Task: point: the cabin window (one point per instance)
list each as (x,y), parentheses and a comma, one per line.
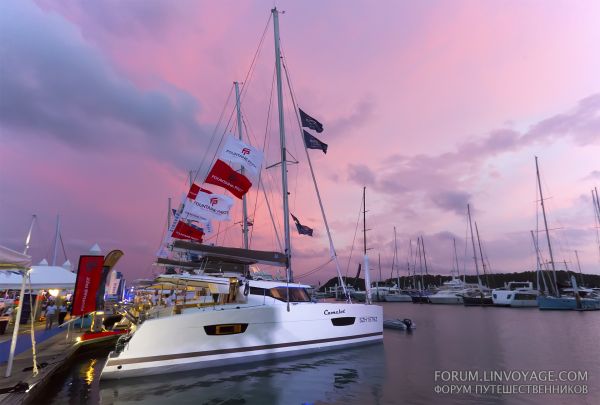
(343,321)
(225,329)
(297,294)
(494,295)
(260,291)
(508,296)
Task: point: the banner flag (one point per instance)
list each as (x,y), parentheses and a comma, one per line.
(194,189)
(187,232)
(310,122)
(207,206)
(313,143)
(302,229)
(248,156)
(223,175)
(88,280)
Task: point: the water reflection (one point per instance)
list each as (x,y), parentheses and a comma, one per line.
(350,375)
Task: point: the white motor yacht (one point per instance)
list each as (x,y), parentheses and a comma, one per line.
(516,294)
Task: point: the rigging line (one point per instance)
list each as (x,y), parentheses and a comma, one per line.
(331,246)
(243,91)
(63,246)
(264,146)
(248,78)
(316,269)
(354,238)
(214,133)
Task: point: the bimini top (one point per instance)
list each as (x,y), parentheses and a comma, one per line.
(13,260)
(234,255)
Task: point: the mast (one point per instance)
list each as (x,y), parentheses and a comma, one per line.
(28,238)
(244,204)
(420,254)
(596,205)
(169,212)
(537,171)
(487,282)
(366,257)
(579,267)
(424,254)
(473,243)
(456,260)
(56,236)
(395,259)
(286,211)
(539,264)
(411,257)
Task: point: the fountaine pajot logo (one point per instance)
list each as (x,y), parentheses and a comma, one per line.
(214,201)
(245,151)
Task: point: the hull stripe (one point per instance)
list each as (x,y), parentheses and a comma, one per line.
(117,362)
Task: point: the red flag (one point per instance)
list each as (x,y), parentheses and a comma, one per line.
(187,232)
(194,189)
(224,176)
(86,286)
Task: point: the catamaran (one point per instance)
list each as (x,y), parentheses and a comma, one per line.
(247,320)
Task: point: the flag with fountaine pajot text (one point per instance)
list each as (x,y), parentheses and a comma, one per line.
(194,189)
(310,122)
(246,155)
(187,232)
(313,143)
(302,229)
(223,175)
(207,206)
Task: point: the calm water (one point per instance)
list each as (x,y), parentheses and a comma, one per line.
(402,370)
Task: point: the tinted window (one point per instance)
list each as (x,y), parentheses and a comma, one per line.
(343,321)
(296,294)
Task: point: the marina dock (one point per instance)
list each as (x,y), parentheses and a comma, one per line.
(53,353)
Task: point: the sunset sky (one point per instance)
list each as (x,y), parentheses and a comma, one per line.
(106,106)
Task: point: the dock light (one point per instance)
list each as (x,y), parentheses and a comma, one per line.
(54,292)
(78,339)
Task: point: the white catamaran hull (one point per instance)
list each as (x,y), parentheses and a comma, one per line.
(183,342)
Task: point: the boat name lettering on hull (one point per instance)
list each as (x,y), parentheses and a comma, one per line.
(336,312)
(364,319)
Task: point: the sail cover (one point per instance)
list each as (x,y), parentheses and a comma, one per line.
(235,254)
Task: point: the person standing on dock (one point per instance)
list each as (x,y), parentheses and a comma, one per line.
(62,313)
(50,312)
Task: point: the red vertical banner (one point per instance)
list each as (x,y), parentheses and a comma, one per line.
(86,286)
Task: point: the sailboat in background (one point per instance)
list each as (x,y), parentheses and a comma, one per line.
(481,296)
(395,294)
(574,299)
(249,320)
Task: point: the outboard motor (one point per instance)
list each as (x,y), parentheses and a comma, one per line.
(408,323)
(247,288)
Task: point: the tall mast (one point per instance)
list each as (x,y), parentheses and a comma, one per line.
(456,259)
(420,253)
(596,204)
(286,211)
(424,255)
(539,264)
(537,171)
(473,243)
(239,125)
(28,238)
(579,267)
(487,282)
(396,259)
(56,236)
(366,257)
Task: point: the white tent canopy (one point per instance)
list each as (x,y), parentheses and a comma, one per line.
(42,277)
(10,259)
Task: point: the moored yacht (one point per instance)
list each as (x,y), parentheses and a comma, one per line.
(516,294)
(259,322)
(247,319)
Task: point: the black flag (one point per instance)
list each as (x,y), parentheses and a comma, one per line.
(310,122)
(313,143)
(302,229)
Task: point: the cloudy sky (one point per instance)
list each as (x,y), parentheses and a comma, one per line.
(106,106)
